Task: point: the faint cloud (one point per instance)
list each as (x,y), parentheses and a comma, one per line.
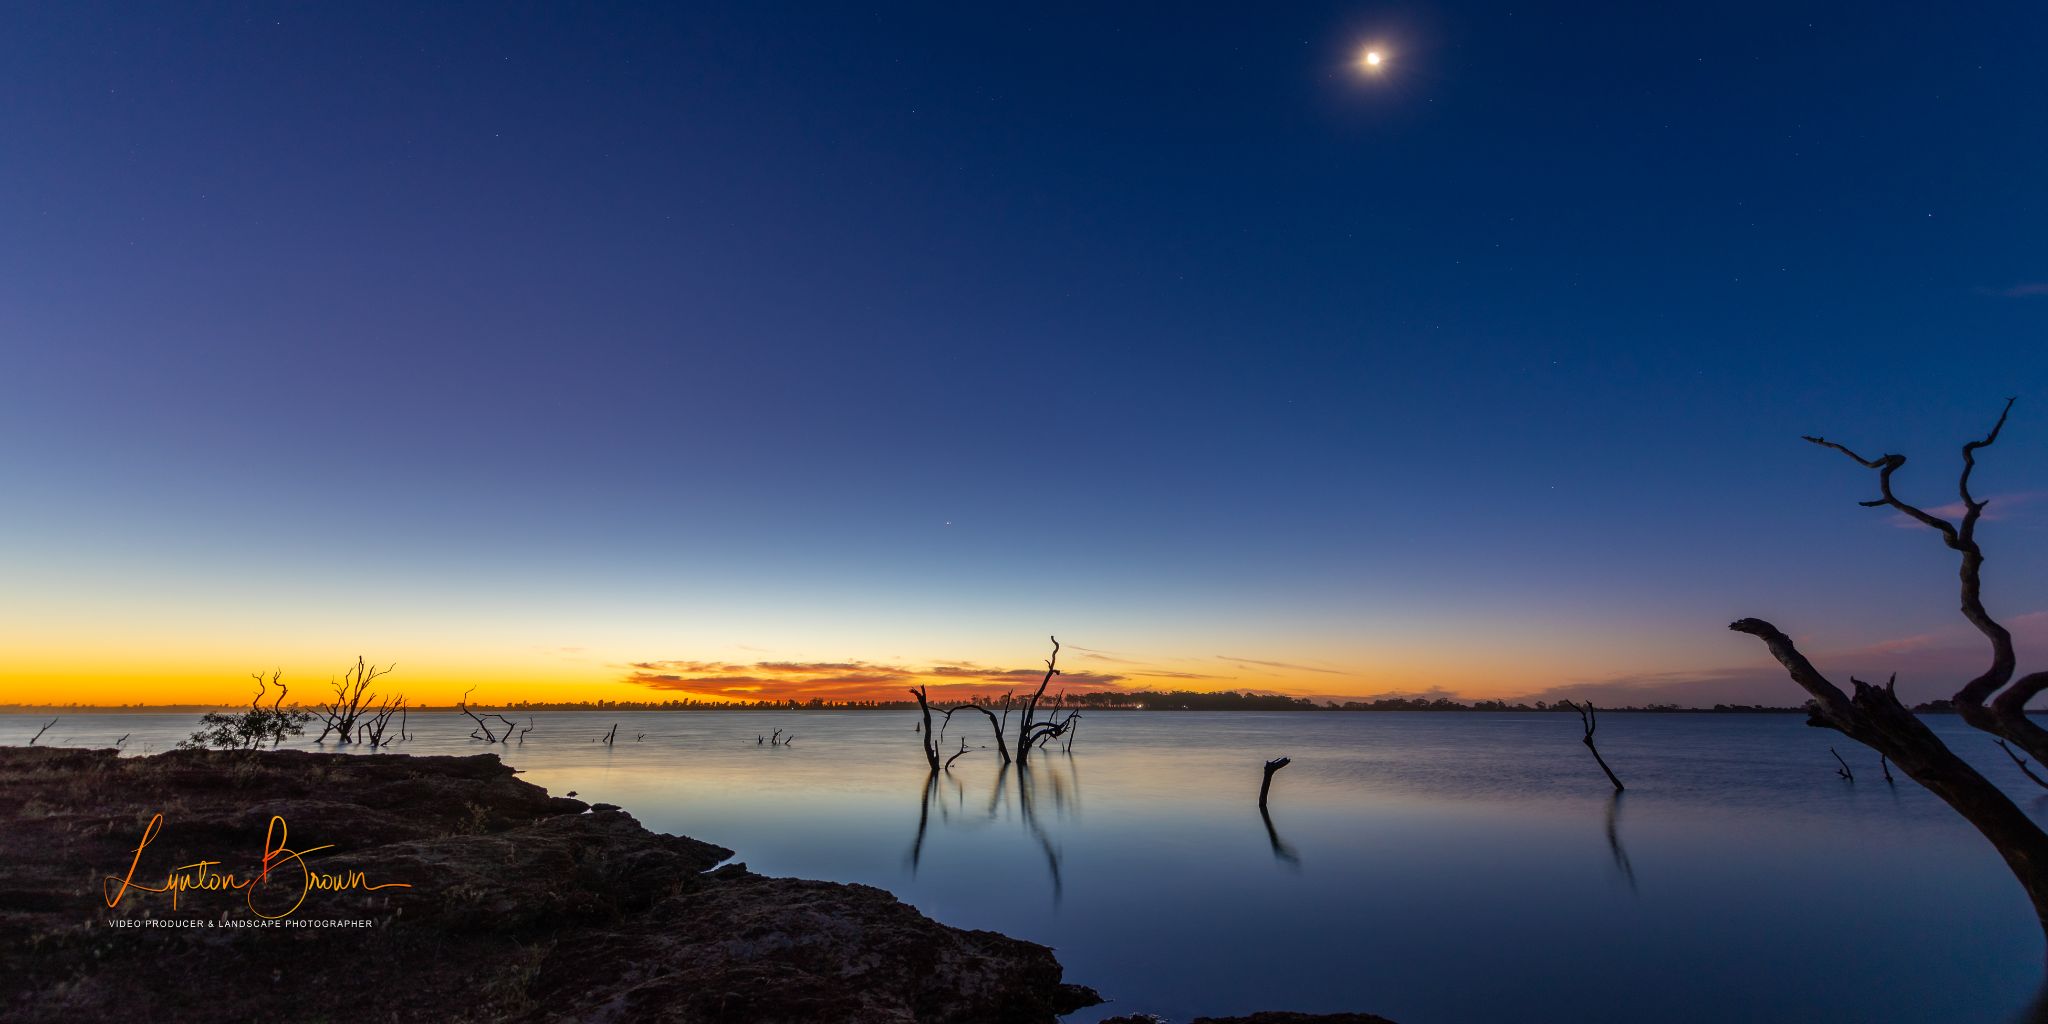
(840,680)
(1996,507)
(1290,666)
(2022,291)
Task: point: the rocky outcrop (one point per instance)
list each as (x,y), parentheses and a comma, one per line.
(518,907)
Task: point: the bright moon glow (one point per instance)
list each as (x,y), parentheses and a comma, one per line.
(1372,58)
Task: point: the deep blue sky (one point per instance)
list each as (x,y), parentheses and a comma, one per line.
(481,332)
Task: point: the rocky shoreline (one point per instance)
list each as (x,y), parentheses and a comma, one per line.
(452,891)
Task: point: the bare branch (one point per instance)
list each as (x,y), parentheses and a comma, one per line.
(2022,763)
(1266,782)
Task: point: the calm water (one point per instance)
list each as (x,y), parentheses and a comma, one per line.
(1435,868)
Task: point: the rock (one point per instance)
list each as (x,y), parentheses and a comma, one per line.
(519,908)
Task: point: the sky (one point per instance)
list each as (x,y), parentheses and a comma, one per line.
(764,349)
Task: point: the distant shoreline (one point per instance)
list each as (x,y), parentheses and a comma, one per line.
(147,709)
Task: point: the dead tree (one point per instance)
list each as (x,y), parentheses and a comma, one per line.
(483,730)
(1873,715)
(528,729)
(1266,783)
(276,679)
(351,692)
(931,742)
(995,726)
(1885,766)
(380,719)
(1843,771)
(1589,717)
(39,732)
(612,736)
(1030,731)
(956,755)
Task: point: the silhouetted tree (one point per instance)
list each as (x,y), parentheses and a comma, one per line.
(1874,717)
(1589,718)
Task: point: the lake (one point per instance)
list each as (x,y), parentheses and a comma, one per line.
(1431,867)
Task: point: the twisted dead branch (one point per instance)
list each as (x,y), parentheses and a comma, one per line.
(1873,715)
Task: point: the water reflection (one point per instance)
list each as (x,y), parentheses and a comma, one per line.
(1281,851)
(1621,861)
(1051,786)
(1464,840)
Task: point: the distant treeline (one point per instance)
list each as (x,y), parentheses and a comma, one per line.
(1106,700)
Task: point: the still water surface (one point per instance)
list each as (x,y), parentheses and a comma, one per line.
(1434,868)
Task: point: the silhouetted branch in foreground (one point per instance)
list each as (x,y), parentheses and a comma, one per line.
(1266,781)
(1873,716)
(1589,717)
(2022,763)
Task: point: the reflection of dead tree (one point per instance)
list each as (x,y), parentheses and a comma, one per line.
(2022,763)
(1589,717)
(1027,807)
(1281,851)
(924,816)
(1842,771)
(39,732)
(1621,861)
(1266,782)
(1874,716)
(351,692)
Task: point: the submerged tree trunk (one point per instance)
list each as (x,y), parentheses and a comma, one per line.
(1589,717)
(995,726)
(931,742)
(1266,782)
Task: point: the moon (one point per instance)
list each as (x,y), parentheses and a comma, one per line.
(1372,60)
